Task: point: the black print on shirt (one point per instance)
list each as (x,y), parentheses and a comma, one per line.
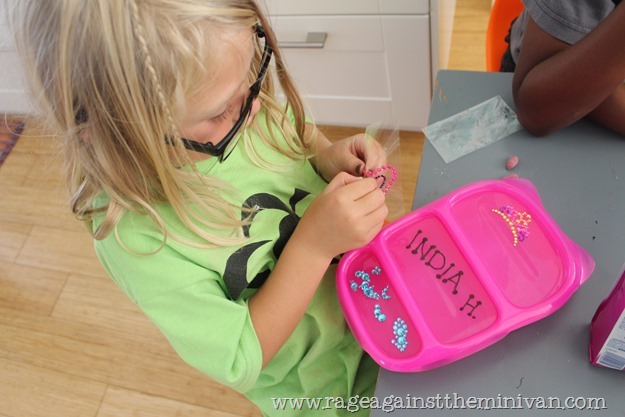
(235,274)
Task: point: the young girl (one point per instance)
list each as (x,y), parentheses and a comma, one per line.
(209,202)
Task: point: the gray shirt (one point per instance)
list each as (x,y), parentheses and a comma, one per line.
(568,21)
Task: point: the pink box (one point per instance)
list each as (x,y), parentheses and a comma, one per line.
(607,329)
(457,275)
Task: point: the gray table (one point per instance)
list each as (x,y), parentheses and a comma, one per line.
(580,174)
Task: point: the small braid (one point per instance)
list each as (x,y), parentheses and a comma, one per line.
(149,65)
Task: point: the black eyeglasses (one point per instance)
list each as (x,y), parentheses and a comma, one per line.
(220,148)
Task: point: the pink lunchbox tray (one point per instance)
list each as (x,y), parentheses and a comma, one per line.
(457,275)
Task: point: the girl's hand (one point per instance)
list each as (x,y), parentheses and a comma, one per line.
(354,155)
(346,215)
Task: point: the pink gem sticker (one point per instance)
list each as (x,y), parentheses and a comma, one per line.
(384,175)
(517,221)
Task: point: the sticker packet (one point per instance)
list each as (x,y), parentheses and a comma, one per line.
(472,129)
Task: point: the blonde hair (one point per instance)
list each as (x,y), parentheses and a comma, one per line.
(112,75)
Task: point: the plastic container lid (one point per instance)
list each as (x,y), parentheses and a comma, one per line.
(457,275)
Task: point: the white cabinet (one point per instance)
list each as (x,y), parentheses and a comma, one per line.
(377,62)
(13,97)
(350,7)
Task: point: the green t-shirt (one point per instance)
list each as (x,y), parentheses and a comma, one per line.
(198,297)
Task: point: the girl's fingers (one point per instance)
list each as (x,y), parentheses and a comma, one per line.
(340,180)
(368,150)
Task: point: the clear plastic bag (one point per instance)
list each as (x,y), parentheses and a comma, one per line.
(386,133)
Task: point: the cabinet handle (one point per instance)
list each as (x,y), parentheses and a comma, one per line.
(313,40)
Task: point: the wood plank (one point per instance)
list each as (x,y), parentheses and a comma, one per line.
(16,167)
(411,150)
(468,41)
(60,250)
(46,174)
(121,359)
(31,391)
(99,302)
(12,239)
(40,206)
(124,403)
(37,140)
(30,289)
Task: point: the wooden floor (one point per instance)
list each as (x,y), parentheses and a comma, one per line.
(71,344)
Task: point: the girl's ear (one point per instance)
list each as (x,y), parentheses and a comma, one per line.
(84,135)
(254,110)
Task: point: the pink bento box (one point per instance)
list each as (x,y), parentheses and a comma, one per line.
(457,275)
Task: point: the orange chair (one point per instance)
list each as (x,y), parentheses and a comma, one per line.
(502,14)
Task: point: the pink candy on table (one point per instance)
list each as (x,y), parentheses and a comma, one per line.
(512,162)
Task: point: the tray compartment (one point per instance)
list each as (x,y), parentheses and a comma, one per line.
(441,282)
(377,315)
(514,243)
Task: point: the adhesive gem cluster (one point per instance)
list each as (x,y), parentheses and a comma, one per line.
(517,221)
(400,327)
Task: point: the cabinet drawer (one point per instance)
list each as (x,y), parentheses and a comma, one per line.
(371,68)
(352,61)
(349,7)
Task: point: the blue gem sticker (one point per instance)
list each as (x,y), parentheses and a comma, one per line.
(400,330)
(385,293)
(365,285)
(377,312)
(368,291)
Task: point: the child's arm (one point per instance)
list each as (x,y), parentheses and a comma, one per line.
(556,84)
(347,215)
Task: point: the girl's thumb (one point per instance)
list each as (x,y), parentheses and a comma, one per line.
(340,180)
(354,165)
